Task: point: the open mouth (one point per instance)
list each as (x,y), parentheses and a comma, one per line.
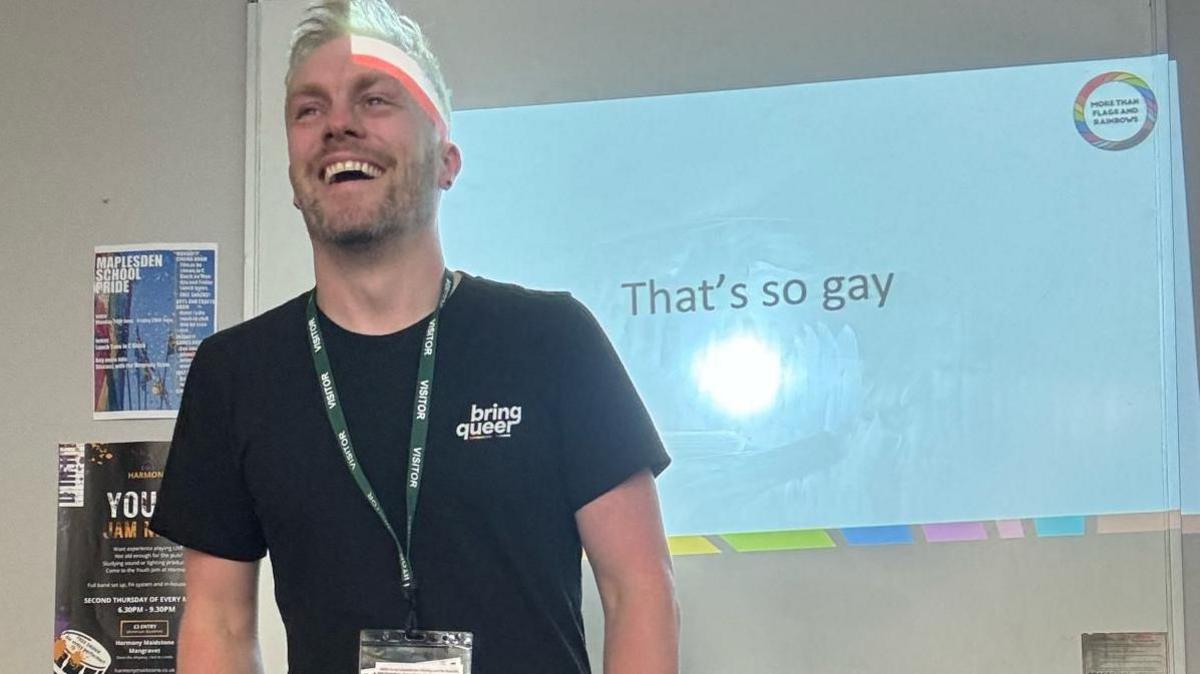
(346,171)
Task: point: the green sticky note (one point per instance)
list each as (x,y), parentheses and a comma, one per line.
(807,539)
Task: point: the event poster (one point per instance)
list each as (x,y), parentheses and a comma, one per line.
(1125,653)
(119,588)
(153,306)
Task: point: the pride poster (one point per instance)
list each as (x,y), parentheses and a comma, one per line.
(153,305)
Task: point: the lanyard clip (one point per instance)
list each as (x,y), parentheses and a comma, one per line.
(410,623)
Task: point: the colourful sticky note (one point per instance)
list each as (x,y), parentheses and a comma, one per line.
(1010,528)
(807,539)
(888,535)
(947,532)
(1049,527)
(691,545)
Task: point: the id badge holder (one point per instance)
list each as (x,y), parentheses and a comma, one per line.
(414,652)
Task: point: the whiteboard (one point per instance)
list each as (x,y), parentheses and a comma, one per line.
(526,52)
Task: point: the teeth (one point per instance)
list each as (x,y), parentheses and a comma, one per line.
(334,169)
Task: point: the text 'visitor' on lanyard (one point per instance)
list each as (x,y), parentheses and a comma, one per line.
(416,445)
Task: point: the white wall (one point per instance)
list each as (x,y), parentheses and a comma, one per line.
(120,121)
(1183,39)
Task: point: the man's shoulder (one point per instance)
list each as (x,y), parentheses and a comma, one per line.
(512,292)
(551,323)
(509,301)
(263,332)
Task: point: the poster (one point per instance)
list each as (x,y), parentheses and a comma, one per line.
(153,306)
(1125,653)
(119,588)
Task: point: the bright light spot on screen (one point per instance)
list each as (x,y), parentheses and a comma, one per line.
(740,374)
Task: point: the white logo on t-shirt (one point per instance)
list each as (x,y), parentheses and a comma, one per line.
(496,421)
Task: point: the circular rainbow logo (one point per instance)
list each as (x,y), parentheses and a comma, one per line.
(1147,111)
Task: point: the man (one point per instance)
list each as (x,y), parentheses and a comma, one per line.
(537,444)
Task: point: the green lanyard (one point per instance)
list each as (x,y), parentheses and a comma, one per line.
(416,446)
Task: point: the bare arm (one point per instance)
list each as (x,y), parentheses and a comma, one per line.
(622,533)
(218,633)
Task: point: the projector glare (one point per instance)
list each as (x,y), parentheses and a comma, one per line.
(740,374)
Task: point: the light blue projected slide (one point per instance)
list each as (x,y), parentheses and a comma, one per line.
(921,299)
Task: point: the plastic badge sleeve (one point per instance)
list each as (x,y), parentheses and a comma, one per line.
(414,652)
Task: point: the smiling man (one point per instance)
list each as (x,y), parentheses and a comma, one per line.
(415,448)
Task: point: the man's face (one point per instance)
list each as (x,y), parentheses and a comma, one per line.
(365,163)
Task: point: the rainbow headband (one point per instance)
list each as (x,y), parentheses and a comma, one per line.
(386,57)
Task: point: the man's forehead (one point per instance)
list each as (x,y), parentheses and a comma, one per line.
(369,60)
(331,62)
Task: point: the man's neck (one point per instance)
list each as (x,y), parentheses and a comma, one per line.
(381,289)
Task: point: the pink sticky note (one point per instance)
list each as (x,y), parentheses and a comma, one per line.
(1010,528)
(954,531)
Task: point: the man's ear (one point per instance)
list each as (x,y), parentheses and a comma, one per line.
(451,165)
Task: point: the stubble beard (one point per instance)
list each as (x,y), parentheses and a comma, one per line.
(406,209)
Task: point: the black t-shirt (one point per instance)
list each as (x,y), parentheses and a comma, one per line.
(254,467)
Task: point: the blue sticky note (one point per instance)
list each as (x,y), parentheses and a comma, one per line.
(1048,527)
(888,535)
